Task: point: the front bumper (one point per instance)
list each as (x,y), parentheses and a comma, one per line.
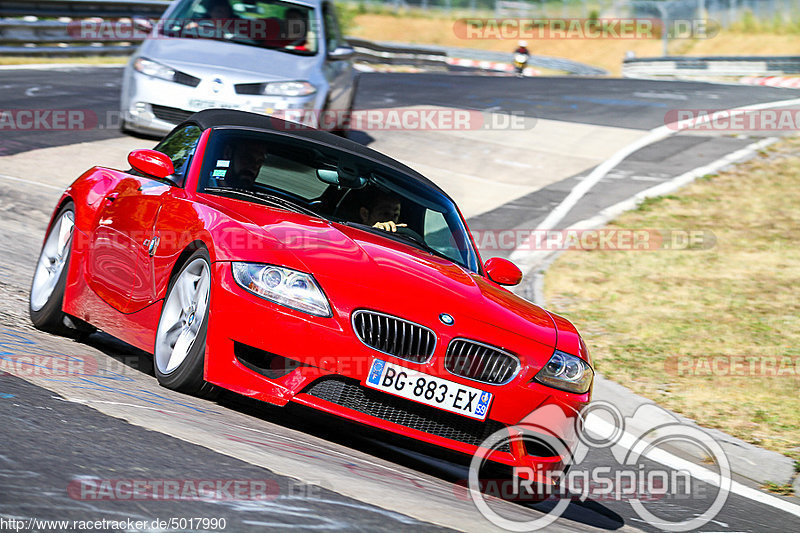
(275,354)
(155,106)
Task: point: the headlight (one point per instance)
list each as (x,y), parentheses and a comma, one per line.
(283,286)
(566,372)
(288,88)
(156,70)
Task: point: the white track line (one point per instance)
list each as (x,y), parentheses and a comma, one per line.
(31,182)
(612,212)
(543,258)
(601,427)
(521,255)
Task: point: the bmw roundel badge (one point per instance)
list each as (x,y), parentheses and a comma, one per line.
(446,319)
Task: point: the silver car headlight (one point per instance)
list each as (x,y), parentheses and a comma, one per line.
(288,88)
(566,372)
(283,286)
(149,67)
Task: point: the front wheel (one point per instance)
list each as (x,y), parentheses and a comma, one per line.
(50,278)
(180,345)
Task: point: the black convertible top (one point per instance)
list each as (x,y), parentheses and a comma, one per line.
(217,118)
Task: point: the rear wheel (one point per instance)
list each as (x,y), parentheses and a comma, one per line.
(50,278)
(181,336)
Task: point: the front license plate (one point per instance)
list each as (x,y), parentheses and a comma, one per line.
(199,105)
(430,390)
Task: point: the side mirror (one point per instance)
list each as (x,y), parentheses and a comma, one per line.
(151,163)
(143,25)
(341,53)
(502,271)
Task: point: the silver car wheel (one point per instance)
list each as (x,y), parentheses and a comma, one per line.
(183,313)
(55,253)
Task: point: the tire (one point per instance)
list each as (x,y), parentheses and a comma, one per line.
(46,299)
(180,347)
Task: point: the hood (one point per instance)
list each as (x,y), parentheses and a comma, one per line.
(206,58)
(360,269)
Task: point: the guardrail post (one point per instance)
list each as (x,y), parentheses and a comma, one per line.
(664,30)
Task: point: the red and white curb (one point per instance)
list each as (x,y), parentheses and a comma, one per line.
(772,81)
(489,65)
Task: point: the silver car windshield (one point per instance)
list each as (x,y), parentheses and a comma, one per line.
(271,24)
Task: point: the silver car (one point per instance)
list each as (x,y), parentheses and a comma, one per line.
(284,58)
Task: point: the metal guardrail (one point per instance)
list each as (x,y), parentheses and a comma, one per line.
(83,8)
(716,66)
(396,54)
(553,63)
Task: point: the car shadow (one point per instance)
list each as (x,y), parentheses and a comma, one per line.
(403,451)
(120,351)
(361,137)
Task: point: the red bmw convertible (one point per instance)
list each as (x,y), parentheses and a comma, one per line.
(290,265)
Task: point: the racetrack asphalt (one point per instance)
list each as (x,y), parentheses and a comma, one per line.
(53,440)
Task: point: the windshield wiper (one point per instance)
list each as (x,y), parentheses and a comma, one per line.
(264,198)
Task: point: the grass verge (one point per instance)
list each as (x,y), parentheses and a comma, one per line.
(641,311)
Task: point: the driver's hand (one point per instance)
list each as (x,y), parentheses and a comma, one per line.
(389,226)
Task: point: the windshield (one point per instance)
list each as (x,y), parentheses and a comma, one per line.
(272,24)
(337,185)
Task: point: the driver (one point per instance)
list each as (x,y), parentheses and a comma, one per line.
(246,157)
(295,22)
(219,9)
(215,12)
(381,210)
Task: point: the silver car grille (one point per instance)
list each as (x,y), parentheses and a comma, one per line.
(394,336)
(480,362)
